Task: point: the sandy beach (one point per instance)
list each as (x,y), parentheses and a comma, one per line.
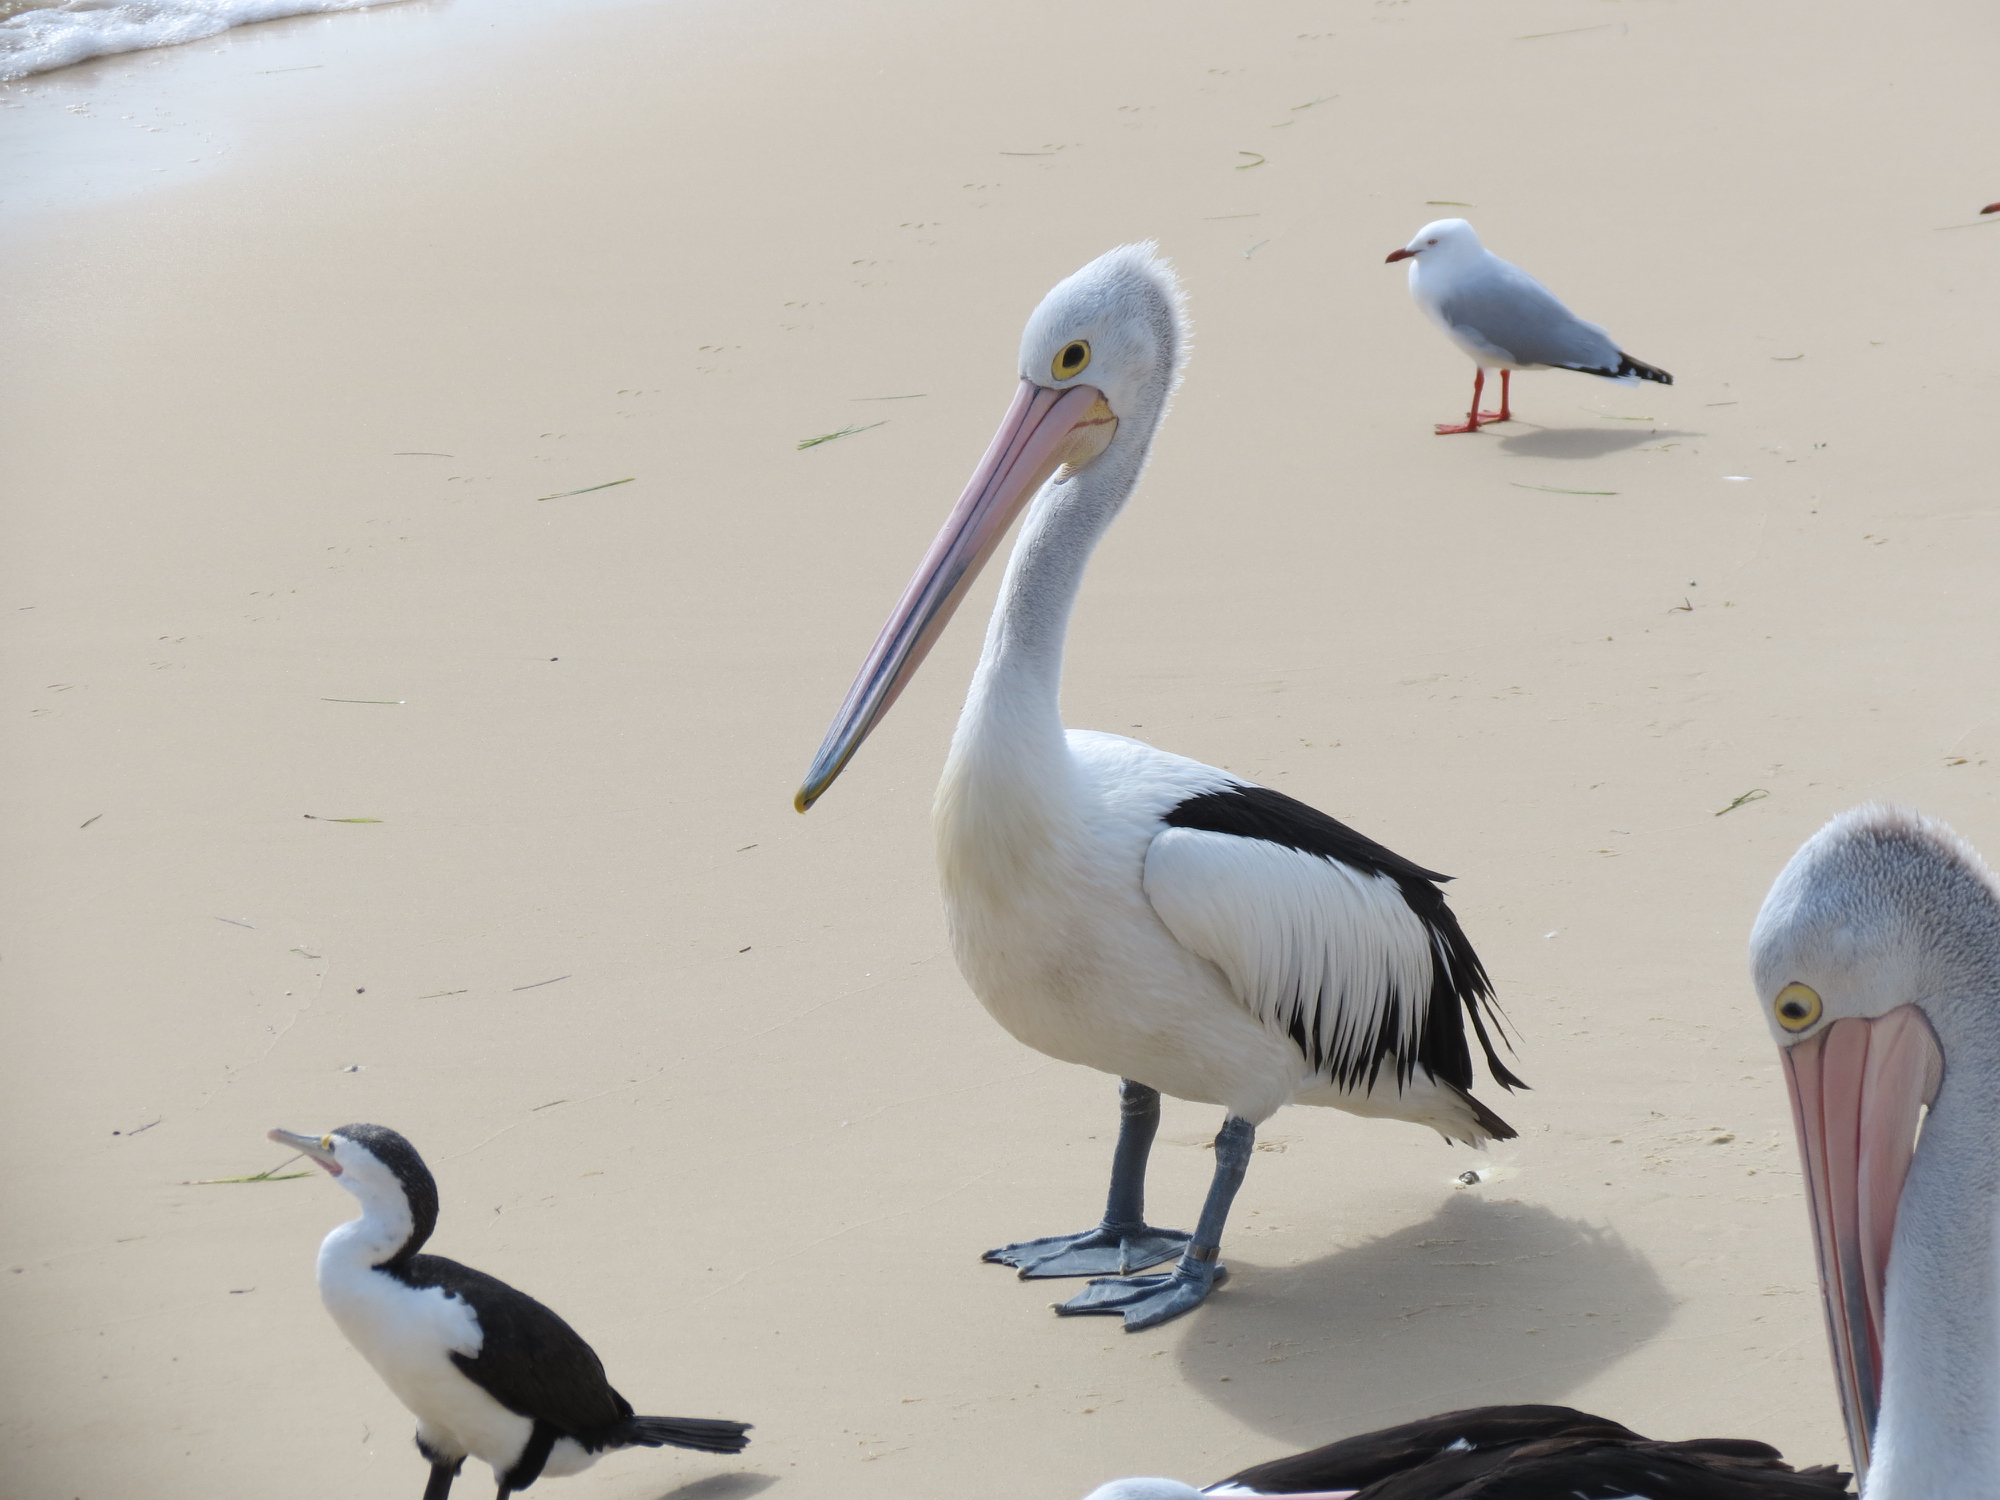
(287,427)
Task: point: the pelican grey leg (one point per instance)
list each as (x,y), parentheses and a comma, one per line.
(1147,1300)
(1124,1242)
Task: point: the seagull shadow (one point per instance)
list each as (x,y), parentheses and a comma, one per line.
(1584,442)
(1482,1303)
(722,1487)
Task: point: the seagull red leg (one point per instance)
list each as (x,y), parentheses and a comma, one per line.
(1487,418)
(1471,422)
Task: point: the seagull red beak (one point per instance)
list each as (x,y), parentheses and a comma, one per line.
(1042,430)
(1858,1089)
(1395,255)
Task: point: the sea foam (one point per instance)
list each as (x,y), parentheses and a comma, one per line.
(54,36)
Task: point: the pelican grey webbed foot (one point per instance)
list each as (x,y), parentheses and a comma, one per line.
(1124,1242)
(1108,1250)
(1149,1300)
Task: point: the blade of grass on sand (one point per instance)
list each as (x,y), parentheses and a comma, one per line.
(1755,794)
(589,489)
(1609,417)
(1536,36)
(269,1174)
(1554,491)
(315,817)
(389,702)
(848,431)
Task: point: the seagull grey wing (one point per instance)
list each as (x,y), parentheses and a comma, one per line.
(530,1360)
(1517,316)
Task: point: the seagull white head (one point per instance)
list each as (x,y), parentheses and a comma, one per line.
(1438,242)
(1877,964)
(1099,358)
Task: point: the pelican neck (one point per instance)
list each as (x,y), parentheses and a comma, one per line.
(1939,1425)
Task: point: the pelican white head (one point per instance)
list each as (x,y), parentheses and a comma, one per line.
(1876,959)
(1099,359)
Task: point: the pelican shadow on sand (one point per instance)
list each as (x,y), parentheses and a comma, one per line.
(1481,1302)
(1586,442)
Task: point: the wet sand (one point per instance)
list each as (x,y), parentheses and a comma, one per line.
(700,1072)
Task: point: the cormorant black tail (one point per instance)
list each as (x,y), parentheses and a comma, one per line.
(700,1433)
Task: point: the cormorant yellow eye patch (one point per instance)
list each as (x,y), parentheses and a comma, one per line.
(1796,1007)
(1071,360)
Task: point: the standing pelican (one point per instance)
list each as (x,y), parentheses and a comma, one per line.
(1877,964)
(1131,910)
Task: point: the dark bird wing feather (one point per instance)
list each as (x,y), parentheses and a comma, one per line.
(530,1360)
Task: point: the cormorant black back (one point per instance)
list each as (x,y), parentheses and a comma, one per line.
(488,1371)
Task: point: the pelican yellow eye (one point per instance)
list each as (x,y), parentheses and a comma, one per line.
(1071,361)
(326,1143)
(1797,1007)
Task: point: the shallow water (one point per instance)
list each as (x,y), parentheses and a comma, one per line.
(38,38)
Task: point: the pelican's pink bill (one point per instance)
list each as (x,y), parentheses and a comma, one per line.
(1042,430)
(1858,1090)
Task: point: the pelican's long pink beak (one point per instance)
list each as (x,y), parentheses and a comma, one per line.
(1858,1091)
(1043,430)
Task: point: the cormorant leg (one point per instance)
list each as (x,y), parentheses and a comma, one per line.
(1471,422)
(1124,1242)
(443,1472)
(1147,1300)
(528,1467)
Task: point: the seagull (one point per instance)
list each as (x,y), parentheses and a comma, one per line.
(489,1372)
(1504,319)
(1876,960)
(1513,1453)
(1113,905)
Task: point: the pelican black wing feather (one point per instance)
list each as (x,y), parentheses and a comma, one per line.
(1355,1463)
(1597,1469)
(1535,1453)
(1460,990)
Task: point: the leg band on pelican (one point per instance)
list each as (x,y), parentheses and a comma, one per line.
(1124,1242)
